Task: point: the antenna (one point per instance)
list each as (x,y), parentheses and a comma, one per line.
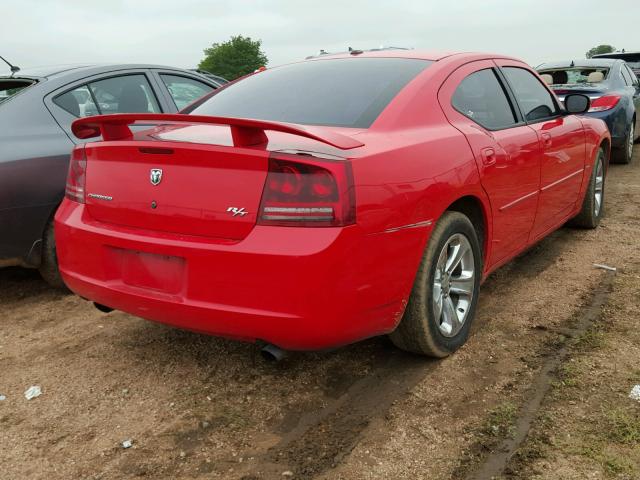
(13,68)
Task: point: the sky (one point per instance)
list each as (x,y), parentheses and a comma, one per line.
(44,32)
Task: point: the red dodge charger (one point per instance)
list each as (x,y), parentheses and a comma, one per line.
(327,201)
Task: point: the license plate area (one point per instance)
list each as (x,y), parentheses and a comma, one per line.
(161,273)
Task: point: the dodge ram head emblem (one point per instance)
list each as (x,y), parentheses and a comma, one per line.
(155,176)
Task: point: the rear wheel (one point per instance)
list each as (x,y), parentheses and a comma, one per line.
(443,301)
(593,203)
(624,154)
(49,265)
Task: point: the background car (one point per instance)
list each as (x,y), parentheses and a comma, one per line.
(632,59)
(307,213)
(217,78)
(36,110)
(614,91)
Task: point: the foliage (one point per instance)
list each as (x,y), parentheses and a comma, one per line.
(234,58)
(600,49)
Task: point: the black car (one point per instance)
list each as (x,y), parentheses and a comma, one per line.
(632,59)
(37,108)
(614,91)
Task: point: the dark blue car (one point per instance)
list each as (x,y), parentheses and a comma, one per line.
(36,110)
(614,91)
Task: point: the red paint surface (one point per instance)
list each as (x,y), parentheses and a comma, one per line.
(191,263)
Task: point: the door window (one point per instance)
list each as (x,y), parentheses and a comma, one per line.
(634,77)
(481,97)
(534,99)
(184,90)
(123,94)
(625,75)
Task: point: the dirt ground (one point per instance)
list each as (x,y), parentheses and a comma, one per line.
(540,390)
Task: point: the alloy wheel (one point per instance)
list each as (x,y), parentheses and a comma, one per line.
(599,188)
(453,285)
(630,141)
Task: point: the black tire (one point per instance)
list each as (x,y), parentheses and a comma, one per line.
(624,154)
(419,330)
(49,264)
(590,214)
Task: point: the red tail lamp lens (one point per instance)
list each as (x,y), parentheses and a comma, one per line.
(308,193)
(604,103)
(77,175)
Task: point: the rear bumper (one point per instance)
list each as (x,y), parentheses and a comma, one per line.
(298,288)
(617,122)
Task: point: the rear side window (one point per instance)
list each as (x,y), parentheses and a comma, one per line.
(346,92)
(625,75)
(534,99)
(184,90)
(124,94)
(481,97)
(634,77)
(78,102)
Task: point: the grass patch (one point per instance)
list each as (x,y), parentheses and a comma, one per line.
(568,374)
(592,339)
(500,422)
(622,427)
(614,466)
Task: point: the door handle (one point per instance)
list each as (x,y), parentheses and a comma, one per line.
(488,157)
(546,139)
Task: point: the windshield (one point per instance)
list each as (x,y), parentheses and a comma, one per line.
(11,86)
(348,92)
(576,75)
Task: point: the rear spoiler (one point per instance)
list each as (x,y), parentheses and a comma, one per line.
(244,132)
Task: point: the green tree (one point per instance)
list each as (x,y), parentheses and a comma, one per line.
(234,58)
(600,49)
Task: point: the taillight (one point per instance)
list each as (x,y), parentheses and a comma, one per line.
(601,104)
(308,194)
(77,175)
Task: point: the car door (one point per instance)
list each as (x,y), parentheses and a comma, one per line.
(561,138)
(507,151)
(111,92)
(635,83)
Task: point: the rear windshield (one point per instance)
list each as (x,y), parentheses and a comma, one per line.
(576,75)
(10,87)
(349,92)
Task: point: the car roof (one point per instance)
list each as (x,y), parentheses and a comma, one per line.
(80,70)
(582,62)
(617,55)
(433,55)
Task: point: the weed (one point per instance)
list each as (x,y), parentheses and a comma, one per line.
(500,422)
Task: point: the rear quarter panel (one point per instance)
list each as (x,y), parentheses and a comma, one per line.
(401,193)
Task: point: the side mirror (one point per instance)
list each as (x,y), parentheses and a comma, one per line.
(576,103)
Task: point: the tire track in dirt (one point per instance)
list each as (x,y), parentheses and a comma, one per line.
(494,464)
(321,439)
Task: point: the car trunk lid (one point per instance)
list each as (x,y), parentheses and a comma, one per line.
(157,180)
(211,191)
(593,91)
